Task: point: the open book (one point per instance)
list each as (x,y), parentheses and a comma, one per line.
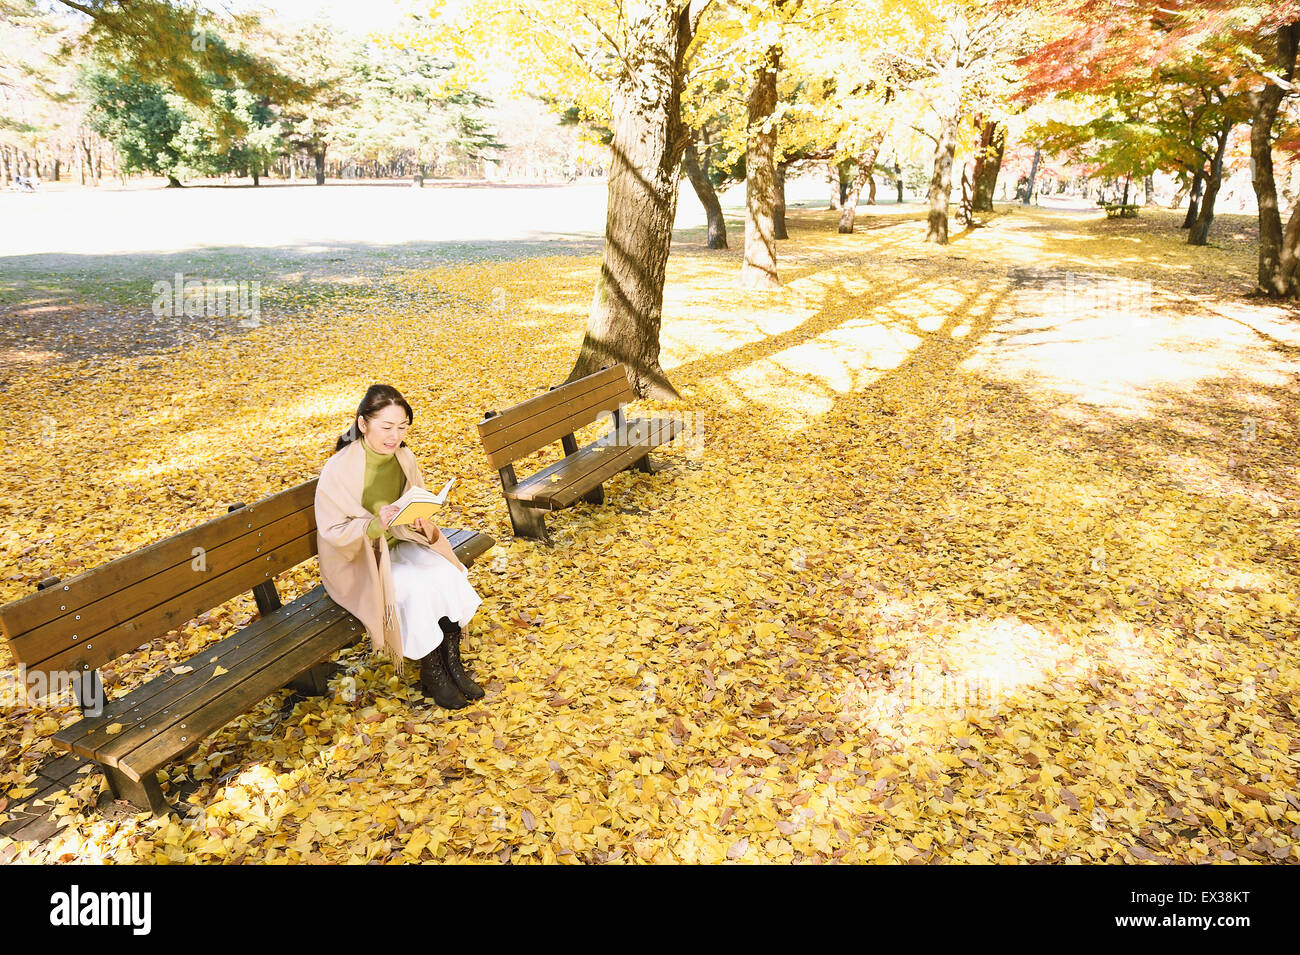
(419,502)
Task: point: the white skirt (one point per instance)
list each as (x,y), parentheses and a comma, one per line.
(428,587)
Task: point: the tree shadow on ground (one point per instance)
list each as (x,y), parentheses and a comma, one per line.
(984,588)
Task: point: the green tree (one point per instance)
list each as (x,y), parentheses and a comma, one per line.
(174,44)
(140,119)
(411,102)
(159,132)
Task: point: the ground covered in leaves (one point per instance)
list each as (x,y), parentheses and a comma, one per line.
(977,553)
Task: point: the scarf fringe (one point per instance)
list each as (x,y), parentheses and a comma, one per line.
(392,630)
(395,657)
(393,638)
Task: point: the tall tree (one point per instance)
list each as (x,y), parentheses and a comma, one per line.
(759,268)
(141,120)
(625,64)
(1279,248)
(1253,45)
(645,156)
(966,64)
(326,64)
(696,170)
(988,162)
(865,167)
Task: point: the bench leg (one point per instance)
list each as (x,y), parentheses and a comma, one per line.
(145,794)
(315,681)
(596,495)
(644,465)
(527,521)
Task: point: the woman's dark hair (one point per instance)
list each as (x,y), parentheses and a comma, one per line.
(378,397)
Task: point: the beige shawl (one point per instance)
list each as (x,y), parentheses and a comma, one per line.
(355,569)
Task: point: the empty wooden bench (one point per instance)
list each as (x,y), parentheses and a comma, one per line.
(533,424)
(76,626)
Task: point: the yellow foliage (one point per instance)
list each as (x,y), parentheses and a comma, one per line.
(952,577)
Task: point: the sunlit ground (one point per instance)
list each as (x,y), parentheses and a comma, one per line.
(985,552)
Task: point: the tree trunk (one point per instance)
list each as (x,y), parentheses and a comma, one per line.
(1194,203)
(1127,179)
(988,163)
(759,269)
(707,195)
(1290,266)
(778,211)
(941,180)
(318,157)
(1200,232)
(849,213)
(1149,188)
(866,163)
(967,196)
(898,180)
(1276,277)
(833,180)
(644,166)
(1033,174)
(871,188)
(948,109)
(173,182)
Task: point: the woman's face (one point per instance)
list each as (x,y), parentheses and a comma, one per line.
(386,430)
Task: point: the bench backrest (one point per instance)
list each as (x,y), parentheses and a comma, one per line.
(533,424)
(84,622)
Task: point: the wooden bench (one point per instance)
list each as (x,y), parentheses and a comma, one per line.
(76,626)
(1116,210)
(533,424)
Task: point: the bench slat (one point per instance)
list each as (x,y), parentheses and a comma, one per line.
(136,631)
(537,431)
(230,569)
(594,464)
(581,470)
(29,612)
(231,701)
(168,688)
(540,404)
(469,545)
(204,692)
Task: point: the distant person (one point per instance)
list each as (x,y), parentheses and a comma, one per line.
(404,583)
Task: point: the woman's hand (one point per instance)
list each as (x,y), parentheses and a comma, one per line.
(428,529)
(386,515)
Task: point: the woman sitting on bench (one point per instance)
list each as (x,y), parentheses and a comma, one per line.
(404,582)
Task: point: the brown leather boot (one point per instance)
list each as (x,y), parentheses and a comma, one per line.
(450,648)
(437,683)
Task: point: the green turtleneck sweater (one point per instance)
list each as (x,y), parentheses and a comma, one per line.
(383,485)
